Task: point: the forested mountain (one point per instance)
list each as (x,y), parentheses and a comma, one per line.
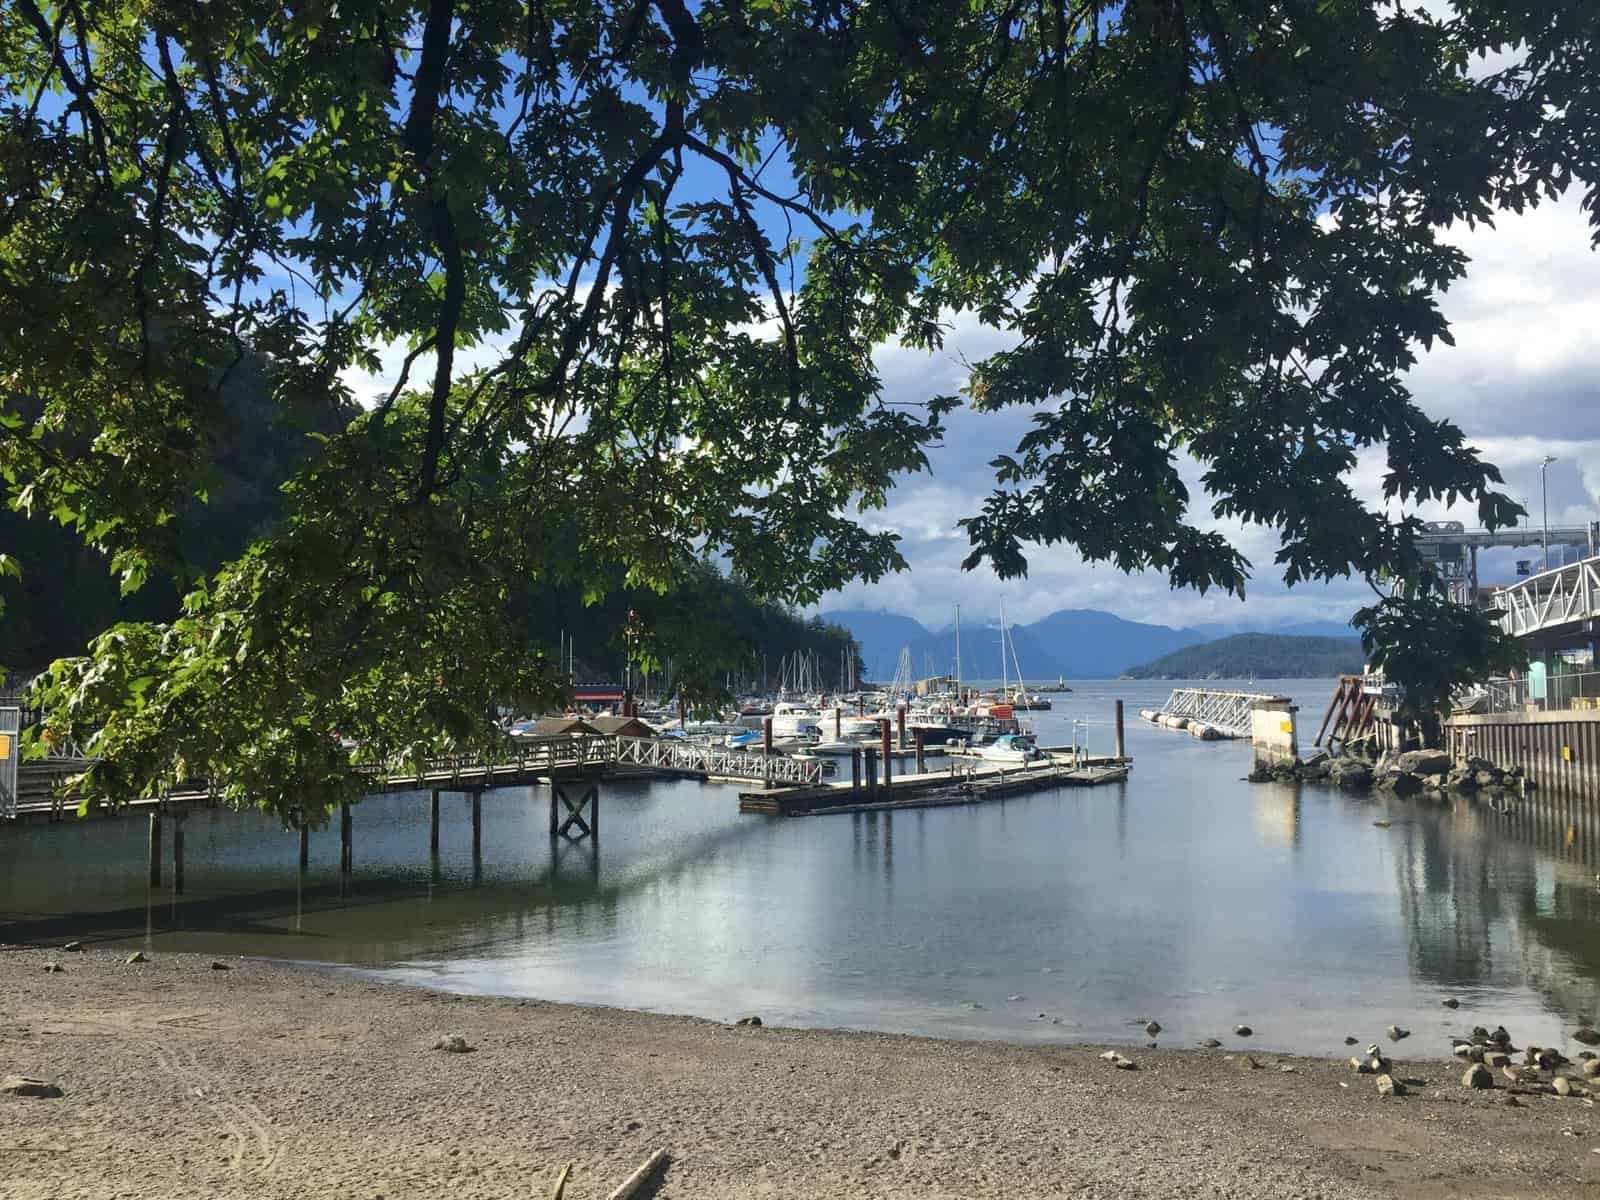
(1259,656)
(66,595)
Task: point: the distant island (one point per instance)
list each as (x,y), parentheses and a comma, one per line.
(1257,655)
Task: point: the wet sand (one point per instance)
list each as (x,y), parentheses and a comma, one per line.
(274,1080)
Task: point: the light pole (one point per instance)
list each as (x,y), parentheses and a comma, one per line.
(1544,490)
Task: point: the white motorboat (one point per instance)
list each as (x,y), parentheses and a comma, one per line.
(1012,749)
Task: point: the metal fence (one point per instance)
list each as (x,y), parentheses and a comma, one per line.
(10,752)
(1555,692)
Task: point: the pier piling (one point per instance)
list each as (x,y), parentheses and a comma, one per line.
(1120,749)
(177,856)
(433,840)
(346,830)
(305,846)
(900,721)
(921,741)
(855,768)
(888,758)
(155,849)
(477,821)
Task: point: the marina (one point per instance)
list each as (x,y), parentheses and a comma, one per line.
(1180,890)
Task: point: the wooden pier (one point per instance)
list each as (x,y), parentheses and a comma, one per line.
(954,785)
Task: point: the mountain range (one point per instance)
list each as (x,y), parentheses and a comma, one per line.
(1074,643)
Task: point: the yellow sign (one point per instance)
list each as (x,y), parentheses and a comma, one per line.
(1285,726)
(1566,754)
(5,746)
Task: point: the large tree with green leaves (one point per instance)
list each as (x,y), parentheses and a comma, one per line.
(636,255)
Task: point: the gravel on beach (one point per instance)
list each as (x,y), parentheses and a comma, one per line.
(276,1080)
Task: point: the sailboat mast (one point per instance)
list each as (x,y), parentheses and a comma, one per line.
(958,654)
(1005,684)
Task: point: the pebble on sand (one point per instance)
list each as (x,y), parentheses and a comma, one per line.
(136,957)
(218,965)
(1210,1043)
(452,1043)
(53,968)
(1388,1085)
(73,947)
(755,1022)
(1587,1036)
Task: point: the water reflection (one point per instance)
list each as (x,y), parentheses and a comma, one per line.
(1182,892)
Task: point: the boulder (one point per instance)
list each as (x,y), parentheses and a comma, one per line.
(1243,1030)
(1591,1067)
(1486,779)
(453,1043)
(1462,781)
(22,1085)
(1562,1085)
(52,968)
(1401,783)
(73,947)
(1388,1085)
(755,1022)
(1423,762)
(1477,1076)
(136,957)
(1352,776)
(1211,1043)
(1359,1066)
(1587,1036)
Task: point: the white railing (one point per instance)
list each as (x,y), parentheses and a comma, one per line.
(1225,711)
(673,755)
(1551,599)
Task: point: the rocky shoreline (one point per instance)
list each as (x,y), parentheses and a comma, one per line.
(182,1075)
(1431,773)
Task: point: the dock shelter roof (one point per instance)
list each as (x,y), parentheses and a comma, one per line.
(559,727)
(622,727)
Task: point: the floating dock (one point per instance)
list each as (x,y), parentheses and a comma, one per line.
(958,785)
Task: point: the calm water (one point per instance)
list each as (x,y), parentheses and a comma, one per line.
(1183,894)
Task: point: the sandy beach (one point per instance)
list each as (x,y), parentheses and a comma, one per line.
(274,1080)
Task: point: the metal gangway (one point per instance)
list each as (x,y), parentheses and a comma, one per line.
(1560,600)
(1227,712)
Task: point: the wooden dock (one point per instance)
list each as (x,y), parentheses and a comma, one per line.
(956,785)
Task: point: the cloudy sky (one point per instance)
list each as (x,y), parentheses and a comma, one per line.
(1523,381)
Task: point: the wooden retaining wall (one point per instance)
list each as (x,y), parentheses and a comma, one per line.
(1559,751)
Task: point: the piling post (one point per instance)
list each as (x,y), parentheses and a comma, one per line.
(838,722)
(477,820)
(855,768)
(594,812)
(921,740)
(554,790)
(900,720)
(433,837)
(888,760)
(1120,747)
(155,848)
(305,846)
(346,832)
(861,707)
(177,855)
(766,735)
(869,759)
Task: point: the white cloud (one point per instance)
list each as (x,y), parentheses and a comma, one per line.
(1523,381)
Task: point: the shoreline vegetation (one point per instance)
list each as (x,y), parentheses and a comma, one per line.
(260,1078)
